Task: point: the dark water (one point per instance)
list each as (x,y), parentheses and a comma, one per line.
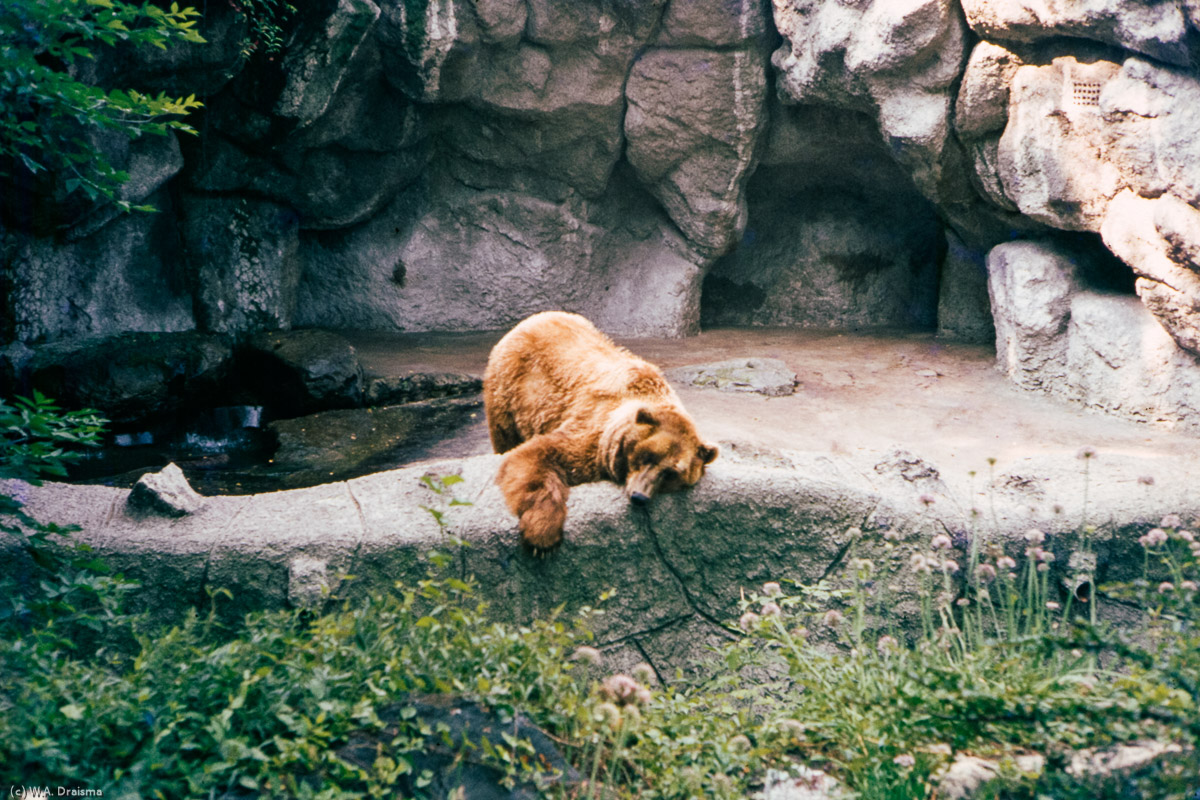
(233,450)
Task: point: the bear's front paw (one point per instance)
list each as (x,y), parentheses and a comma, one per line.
(542,527)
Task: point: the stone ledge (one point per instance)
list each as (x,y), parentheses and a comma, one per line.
(678,568)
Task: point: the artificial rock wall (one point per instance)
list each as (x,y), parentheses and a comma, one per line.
(458,164)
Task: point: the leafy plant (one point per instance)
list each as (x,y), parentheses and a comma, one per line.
(37,438)
(266,19)
(67,596)
(50,109)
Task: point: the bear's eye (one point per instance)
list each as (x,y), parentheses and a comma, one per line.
(669,473)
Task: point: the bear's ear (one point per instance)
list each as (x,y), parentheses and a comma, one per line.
(646,417)
(708,452)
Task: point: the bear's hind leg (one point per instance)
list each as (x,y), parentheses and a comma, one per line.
(535,488)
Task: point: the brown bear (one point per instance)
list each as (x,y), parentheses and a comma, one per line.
(571,407)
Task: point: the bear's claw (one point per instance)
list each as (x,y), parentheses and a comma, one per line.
(540,542)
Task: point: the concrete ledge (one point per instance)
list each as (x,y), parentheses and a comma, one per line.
(678,568)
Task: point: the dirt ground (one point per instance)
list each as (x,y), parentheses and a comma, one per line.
(855,393)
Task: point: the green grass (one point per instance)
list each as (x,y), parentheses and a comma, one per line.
(201,710)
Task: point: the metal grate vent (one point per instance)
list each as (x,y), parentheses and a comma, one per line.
(1085,94)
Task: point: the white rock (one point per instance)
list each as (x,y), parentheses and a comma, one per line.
(165,493)
(1154,27)
(1121,361)
(1160,239)
(1031,284)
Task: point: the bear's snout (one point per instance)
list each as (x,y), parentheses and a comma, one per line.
(643,485)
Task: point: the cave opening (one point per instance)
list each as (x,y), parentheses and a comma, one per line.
(838,237)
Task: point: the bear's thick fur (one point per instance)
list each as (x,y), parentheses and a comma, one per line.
(571,407)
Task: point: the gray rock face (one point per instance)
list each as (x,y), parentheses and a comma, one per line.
(183,68)
(166,493)
(316,68)
(693,120)
(126,276)
(242,257)
(838,235)
(459,166)
(486,260)
(897,60)
(964,311)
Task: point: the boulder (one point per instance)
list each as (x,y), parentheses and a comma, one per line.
(166,493)
(299,372)
(1128,123)
(800,782)
(1031,284)
(1156,28)
(981,114)
(149,161)
(134,376)
(766,376)
(1059,174)
(41,205)
(1160,239)
(1057,333)
(1120,361)
(308,582)
(983,95)
(1102,770)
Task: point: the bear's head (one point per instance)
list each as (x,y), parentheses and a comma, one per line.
(663,453)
